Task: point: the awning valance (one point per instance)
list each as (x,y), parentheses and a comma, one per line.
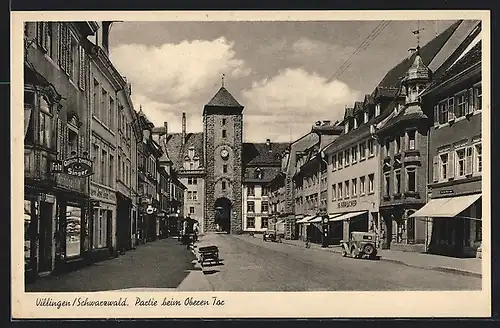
(446,207)
(306,219)
(347,216)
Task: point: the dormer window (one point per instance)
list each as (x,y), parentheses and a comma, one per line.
(346,127)
(377,110)
(355,123)
(191,152)
(365,117)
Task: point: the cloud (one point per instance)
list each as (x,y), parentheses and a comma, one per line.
(286,105)
(172,78)
(312,50)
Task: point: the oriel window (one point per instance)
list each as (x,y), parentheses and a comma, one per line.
(45,131)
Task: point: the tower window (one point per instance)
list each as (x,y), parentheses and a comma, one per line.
(223,185)
(224,168)
(224,134)
(223,121)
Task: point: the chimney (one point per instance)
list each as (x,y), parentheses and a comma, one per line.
(268,143)
(183,128)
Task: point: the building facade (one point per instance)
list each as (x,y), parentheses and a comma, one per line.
(353,162)
(262,163)
(57,133)
(453,213)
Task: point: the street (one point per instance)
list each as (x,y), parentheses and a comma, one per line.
(250,264)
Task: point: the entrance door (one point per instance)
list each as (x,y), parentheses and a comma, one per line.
(223,215)
(45,238)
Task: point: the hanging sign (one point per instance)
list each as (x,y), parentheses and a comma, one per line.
(56,167)
(78,167)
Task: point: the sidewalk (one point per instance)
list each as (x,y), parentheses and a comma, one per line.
(162,264)
(464,266)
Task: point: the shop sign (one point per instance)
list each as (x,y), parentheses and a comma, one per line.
(161,215)
(78,167)
(347,203)
(446,192)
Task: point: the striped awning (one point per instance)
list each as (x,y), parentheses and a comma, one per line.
(306,219)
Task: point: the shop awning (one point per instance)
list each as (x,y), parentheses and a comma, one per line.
(334,217)
(316,219)
(347,216)
(306,219)
(446,207)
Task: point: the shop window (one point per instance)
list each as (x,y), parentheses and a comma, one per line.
(101,218)
(397,182)
(410,229)
(411,179)
(45,126)
(264,223)
(251,190)
(251,222)
(73,231)
(371,181)
(27,233)
(251,206)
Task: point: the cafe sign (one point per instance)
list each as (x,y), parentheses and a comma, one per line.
(76,166)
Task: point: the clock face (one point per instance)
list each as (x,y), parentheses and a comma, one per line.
(325,220)
(224,153)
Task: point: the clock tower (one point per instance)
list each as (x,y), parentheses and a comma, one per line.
(223,139)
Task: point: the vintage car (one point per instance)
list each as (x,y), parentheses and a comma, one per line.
(360,245)
(271,235)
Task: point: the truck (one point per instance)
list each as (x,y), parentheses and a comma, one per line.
(275,231)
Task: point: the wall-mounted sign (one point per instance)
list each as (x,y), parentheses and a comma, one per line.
(347,203)
(56,167)
(446,191)
(78,167)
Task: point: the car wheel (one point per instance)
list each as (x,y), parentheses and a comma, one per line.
(344,252)
(353,253)
(368,249)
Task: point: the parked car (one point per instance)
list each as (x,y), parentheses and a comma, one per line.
(271,235)
(275,231)
(360,245)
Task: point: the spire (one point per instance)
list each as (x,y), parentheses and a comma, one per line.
(223,76)
(417,34)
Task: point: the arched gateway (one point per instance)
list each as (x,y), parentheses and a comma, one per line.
(223,214)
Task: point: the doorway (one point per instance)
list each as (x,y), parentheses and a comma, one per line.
(45,238)
(223,215)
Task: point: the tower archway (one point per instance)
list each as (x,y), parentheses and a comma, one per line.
(223,214)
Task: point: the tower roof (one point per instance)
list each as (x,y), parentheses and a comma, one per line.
(418,70)
(223,102)
(223,99)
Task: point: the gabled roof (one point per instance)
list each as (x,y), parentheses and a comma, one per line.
(267,174)
(407,114)
(368,100)
(358,107)
(349,112)
(177,152)
(471,58)
(255,154)
(427,52)
(223,99)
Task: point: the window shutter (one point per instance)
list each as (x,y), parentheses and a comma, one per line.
(470,101)
(468,160)
(451,164)
(435,169)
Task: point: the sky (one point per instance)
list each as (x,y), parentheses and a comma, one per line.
(283,73)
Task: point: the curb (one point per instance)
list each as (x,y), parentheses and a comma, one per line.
(432,268)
